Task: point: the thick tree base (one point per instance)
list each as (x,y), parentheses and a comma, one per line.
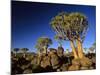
(80,64)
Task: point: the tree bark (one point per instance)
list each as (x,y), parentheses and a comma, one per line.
(39,53)
(38,60)
(79,47)
(74,50)
(45,49)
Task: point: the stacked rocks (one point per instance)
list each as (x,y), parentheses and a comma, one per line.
(45,62)
(85,63)
(54,58)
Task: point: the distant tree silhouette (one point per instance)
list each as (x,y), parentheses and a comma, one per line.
(43,43)
(24,50)
(15,50)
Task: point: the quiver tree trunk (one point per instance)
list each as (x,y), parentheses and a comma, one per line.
(38,60)
(74,50)
(39,53)
(79,47)
(45,49)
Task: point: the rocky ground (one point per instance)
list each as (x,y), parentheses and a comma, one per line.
(53,61)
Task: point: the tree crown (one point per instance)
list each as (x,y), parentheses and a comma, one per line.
(70,25)
(43,41)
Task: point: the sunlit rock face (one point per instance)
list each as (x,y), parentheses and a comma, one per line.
(64,67)
(74,68)
(85,62)
(27,71)
(81,64)
(34,60)
(52,51)
(45,61)
(54,59)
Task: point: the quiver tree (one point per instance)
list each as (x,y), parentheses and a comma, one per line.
(37,46)
(72,27)
(24,50)
(43,43)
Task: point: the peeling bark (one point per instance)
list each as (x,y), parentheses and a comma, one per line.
(45,49)
(74,50)
(79,47)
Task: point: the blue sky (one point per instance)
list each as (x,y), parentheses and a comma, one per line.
(30,20)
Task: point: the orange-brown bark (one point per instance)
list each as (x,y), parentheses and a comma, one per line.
(74,50)
(79,47)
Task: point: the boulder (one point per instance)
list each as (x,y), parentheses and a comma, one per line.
(91,68)
(54,61)
(93,60)
(45,61)
(23,67)
(52,51)
(29,57)
(34,60)
(84,68)
(74,67)
(37,68)
(58,70)
(85,62)
(76,62)
(64,67)
(27,71)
